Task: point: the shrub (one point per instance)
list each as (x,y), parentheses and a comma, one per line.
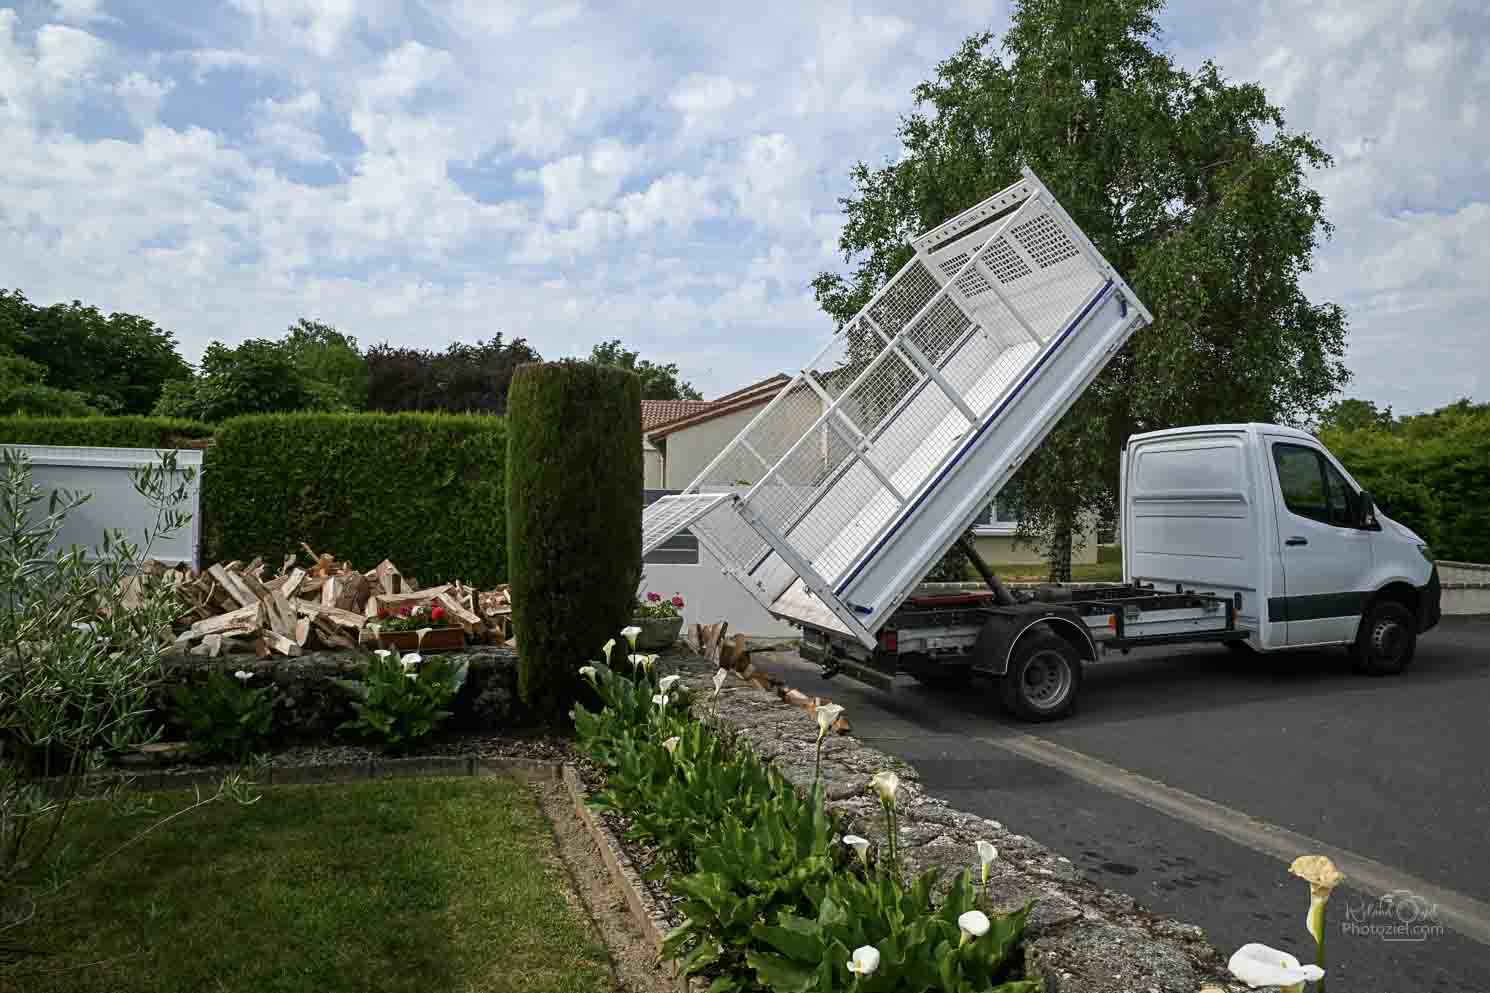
(103,432)
(1430,472)
(224,715)
(402,698)
(574,505)
(769,899)
(424,490)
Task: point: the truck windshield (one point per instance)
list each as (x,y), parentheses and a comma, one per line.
(1312,487)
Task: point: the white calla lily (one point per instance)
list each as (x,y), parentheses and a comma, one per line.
(719,681)
(974,924)
(666,683)
(1258,965)
(410,660)
(630,633)
(605,650)
(827,713)
(865,961)
(382,653)
(885,784)
(859,845)
(588,671)
(986,854)
(671,744)
(243,675)
(660,699)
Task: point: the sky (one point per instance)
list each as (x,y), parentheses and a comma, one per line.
(665,173)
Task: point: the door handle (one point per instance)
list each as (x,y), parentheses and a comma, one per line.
(1297,541)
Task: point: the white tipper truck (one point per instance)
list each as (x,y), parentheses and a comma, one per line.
(832,505)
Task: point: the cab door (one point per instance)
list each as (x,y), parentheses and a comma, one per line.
(1326,558)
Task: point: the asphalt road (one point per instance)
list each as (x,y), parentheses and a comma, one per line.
(1395,770)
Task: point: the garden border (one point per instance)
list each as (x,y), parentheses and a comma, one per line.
(644,910)
(471,764)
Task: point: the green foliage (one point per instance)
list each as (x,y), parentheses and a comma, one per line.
(402,698)
(1193,187)
(1430,472)
(103,432)
(659,381)
(118,364)
(329,363)
(80,652)
(574,503)
(769,898)
(256,377)
(23,391)
(424,490)
(1354,415)
(223,715)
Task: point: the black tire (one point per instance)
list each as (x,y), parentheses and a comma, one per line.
(1043,678)
(1387,641)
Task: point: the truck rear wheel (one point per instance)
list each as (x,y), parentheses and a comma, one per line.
(1387,640)
(1044,675)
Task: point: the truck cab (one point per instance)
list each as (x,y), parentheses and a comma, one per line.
(1265,515)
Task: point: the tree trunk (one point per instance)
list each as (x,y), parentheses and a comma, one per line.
(1060,550)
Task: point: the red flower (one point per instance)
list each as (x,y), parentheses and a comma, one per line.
(382,611)
(404,612)
(678,602)
(437,613)
(654,597)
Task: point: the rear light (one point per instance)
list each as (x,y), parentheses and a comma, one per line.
(889,641)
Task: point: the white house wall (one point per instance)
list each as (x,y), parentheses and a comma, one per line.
(690,449)
(711,596)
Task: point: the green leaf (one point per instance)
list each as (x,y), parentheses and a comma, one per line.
(794,937)
(779,974)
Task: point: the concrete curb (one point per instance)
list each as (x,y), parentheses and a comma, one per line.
(643,908)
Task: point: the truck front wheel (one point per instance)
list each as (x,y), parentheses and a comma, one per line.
(1044,675)
(1387,640)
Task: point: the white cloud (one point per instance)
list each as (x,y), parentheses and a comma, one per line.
(80,11)
(142,97)
(700,95)
(67,55)
(289,127)
(576,182)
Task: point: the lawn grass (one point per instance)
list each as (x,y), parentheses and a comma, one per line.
(1107,569)
(405,886)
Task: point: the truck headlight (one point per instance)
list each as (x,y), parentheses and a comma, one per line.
(1427,552)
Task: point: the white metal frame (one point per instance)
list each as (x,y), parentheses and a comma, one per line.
(868,465)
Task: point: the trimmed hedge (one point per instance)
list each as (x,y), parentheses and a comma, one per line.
(574,507)
(424,490)
(104,432)
(1431,473)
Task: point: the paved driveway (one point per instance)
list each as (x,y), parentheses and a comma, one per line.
(1182,774)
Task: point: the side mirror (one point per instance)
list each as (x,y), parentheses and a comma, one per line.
(1365,510)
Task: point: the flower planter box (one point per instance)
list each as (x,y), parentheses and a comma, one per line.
(437,640)
(657,632)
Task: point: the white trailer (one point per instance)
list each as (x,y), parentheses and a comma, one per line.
(835,501)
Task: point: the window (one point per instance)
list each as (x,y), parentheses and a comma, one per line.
(1312,487)
(992,520)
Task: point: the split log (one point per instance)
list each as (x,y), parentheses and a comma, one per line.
(281,644)
(409,599)
(233,584)
(387,576)
(333,615)
(733,654)
(279,615)
(222,622)
(468,620)
(328,635)
(352,589)
(302,631)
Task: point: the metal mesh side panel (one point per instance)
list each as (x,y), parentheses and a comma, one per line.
(909,291)
(836,530)
(667,516)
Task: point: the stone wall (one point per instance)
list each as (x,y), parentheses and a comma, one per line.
(310,704)
(1083,938)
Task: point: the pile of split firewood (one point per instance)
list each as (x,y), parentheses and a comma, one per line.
(234,607)
(733,655)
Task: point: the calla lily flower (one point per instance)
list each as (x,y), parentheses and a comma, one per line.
(859,845)
(243,675)
(382,653)
(885,784)
(413,658)
(630,634)
(411,674)
(588,671)
(1258,965)
(865,961)
(974,924)
(986,854)
(666,683)
(644,662)
(605,649)
(719,681)
(827,713)
(1322,876)
(660,699)
(671,744)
